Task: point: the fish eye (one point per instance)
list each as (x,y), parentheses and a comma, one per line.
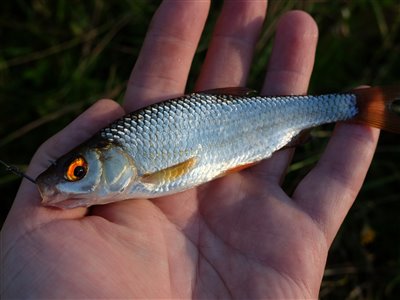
(76,169)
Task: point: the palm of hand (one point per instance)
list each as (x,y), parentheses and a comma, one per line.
(207,243)
(238,236)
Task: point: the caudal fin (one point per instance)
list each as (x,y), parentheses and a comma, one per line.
(376,109)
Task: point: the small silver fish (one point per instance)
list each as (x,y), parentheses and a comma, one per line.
(181,143)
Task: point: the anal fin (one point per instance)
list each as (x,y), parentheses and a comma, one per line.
(237,169)
(300,139)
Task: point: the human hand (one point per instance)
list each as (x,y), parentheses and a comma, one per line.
(239,236)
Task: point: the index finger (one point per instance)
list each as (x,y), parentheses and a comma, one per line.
(162,67)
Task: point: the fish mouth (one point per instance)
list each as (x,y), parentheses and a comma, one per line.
(70,202)
(53,198)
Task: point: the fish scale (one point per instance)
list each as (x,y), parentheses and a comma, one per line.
(220,132)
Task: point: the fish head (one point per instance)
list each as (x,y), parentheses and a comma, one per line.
(88,175)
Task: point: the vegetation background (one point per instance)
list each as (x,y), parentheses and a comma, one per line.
(58,57)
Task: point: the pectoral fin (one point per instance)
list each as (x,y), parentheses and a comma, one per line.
(171,173)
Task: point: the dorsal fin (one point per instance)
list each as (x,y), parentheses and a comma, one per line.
(171,173)
(235,91)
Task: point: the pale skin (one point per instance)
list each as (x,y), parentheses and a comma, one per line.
(239,236)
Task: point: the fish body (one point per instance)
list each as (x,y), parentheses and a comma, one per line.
(216,133)
(181,143)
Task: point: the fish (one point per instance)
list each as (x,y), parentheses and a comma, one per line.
(181,143)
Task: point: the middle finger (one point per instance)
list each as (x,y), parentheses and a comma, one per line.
(163,65)
(231,49)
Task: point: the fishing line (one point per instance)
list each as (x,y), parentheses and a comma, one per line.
(16,171)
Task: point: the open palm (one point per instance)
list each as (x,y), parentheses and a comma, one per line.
(239,236)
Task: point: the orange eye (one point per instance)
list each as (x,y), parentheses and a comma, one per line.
(76,170)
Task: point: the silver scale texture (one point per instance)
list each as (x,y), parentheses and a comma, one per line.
(220,131)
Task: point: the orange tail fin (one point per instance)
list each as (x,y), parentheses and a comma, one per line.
(375,106)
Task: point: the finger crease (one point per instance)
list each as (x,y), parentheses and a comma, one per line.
(228,39)
(180,41)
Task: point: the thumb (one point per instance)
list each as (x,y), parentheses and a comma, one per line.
(26,212)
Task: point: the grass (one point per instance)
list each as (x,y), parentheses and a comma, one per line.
(58,57)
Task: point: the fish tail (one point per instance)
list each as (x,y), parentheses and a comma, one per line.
(376,109)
